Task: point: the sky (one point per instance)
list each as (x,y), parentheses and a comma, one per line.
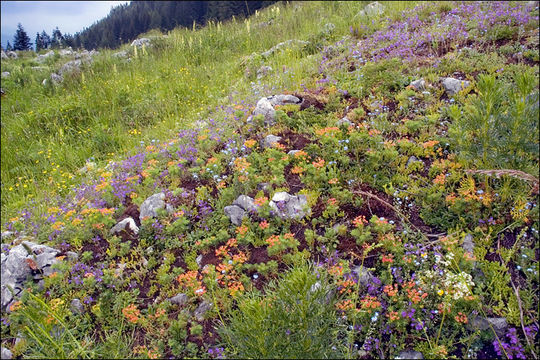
(36,16)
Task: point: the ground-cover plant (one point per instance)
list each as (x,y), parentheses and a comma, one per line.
(295,318)
(416,243)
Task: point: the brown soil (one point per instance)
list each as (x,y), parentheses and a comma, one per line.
(293,180)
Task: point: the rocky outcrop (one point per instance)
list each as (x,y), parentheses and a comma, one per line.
(26,261)
(42,58)
(140,42)
(126,224)
(242,205)
(269,141)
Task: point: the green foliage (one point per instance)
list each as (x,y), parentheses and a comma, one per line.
(499,127)
(295,319)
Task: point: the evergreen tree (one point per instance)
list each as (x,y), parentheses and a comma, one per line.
(21,41)
(45,40)
(57,39)
(9,47)
(39,45)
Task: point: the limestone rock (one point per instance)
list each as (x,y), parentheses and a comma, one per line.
(76,306)
(269,141)
(453,86)
(12,54)
(202,309)
(364,276)
(345,122)
(419,84)
(151,205)
(289,206)
(372,9)
(265,108)
(42,58)
(263,71)
(499,324)
(4,55)
(246,203)
(179,299)
(140,42)
(235,214)
(289,44)
(56,79)
(283,99)
(5,74)
(66,52)
(6,353)
(411,160)
(468,244)
(410,354)
(127,222)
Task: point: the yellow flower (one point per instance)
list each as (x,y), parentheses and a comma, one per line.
(440,292)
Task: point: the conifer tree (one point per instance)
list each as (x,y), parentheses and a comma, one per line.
(21,41)
(9,47)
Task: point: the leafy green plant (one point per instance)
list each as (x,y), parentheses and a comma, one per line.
(295,319)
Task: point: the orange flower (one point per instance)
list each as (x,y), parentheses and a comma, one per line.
(439,180)
(297,169)
(360,221)
(393,315)
(231,242)
(261,200)
(332,201)
(391,290)
(333,181)
(250,143)
(461,318)
(319,163)
(264,225)
(430,144)
(131,313)
(242,230)
(387,258)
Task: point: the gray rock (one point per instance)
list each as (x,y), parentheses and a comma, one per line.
(410,354)
(6,353)
(453,86)
(16,269)
(289,44)
(44,57)
(4,55)
(142,41)
(283,99)
(411,160)
(76,306)
(269,140)
(121,226)
(180,299)
(56,79)
(468,244)
(344,121)
(246,203)
(499,324)
(6,234)
(289,206)
(39,68)
(71,67)
(5,74)
(235,214)
(372,9)
(419,84)
(66,52)
(198,260)
(328,28)
(154,203)
(121,54)
(292,152)
(73,256)
(263,71)
(364,276)
(12,54)
(202,309)
(265,108)
(265,186)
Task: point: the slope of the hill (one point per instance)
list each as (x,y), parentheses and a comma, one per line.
(376,198)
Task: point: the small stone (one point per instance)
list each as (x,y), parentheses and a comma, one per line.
(150,206)
(292,152)
(6,234)
(76,306)
(419,84)
(6,353)
(235,214)
(283,100)
(263,71)
(140,42)
(364,275)
(73,256)
(270,140)
(5,74)
(128,223)
(246,203)
(289,206)
(179,299)
(265,108)
(453,86)
(198,260)
(264,186)
(202,309)
(411,160)
(56,79)
(410,354)
(499,324)
(344,121)
(468,244)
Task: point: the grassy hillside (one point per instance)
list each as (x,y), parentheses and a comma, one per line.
(419,228)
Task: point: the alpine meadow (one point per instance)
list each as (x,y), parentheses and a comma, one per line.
(316,179)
